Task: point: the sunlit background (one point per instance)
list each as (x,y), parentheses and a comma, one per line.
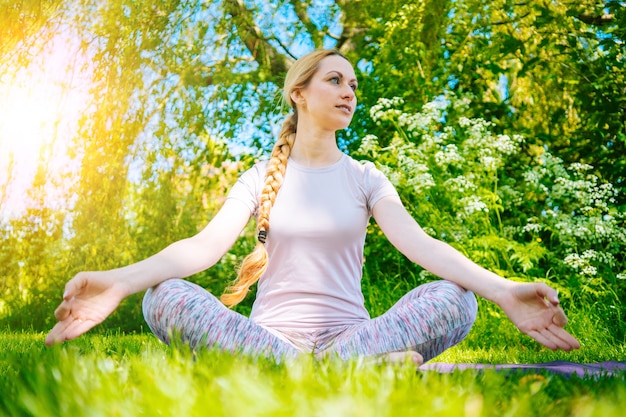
(40,106)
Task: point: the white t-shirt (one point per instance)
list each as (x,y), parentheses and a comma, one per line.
(315,243)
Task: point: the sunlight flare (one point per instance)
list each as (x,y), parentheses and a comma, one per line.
(40,106)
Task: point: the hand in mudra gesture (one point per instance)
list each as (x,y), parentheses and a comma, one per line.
(89,298)
(534,308)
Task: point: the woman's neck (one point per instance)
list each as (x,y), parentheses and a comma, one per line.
(315,151)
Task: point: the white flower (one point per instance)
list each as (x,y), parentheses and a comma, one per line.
(384,108)
(582,262)
(578,167)
(589,270)
(489,163)
(464,121)
(369,145)
(532,228)
(460,184)
(471,205)
(505,145)
(531,177)
(448,155)
(422,183)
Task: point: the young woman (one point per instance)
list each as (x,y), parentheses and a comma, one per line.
(312,204)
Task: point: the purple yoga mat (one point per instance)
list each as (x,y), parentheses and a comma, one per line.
(557,367)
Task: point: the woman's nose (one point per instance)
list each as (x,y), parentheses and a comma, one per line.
(348,92)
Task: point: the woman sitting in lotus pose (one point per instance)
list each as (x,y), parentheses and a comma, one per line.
(312,205)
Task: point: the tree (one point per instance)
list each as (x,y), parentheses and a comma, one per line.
(23,28)
(173,81)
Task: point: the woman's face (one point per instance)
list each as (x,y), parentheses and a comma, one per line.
(329,99)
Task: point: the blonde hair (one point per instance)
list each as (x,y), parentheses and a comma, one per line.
(255,264)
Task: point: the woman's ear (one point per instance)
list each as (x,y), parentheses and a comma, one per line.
(296,97)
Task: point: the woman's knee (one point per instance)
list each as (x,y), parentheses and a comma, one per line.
(162,293)
(156,301)
(448,296)
(466,301)
(456,309)
(171,303)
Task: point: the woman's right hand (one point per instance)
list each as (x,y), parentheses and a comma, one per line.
(89,298)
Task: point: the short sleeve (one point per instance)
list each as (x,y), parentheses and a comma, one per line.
(377,185)
(248,187)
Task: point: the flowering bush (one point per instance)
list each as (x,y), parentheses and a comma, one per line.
(512,207)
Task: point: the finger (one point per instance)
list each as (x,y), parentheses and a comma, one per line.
(56,335)
(559,318)
(555,337)
(568,341)
(68,329)
(557,342)
(77,328)
(62,311)
(542,339)
(545,291)
(74,286)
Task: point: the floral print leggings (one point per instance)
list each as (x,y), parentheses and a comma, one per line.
(429,319)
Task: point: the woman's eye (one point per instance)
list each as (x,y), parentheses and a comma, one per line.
(353,87)
(334,80)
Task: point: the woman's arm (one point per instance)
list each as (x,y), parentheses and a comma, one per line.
(189,256)
(434,255)
(532,307)
(90,297)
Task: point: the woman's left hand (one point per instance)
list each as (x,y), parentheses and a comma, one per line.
(534,308)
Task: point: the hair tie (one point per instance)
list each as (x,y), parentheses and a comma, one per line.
(262,236)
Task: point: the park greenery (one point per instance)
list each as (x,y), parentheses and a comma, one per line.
(135,375)
(502,124)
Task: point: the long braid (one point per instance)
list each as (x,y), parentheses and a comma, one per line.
(255,264)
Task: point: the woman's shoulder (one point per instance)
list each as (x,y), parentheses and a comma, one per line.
(363,167)
(360,164)
(370,180)
(257,170)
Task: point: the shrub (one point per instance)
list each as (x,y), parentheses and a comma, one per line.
(511,207)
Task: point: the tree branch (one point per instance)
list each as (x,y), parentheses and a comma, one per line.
(347,41)
(601,20)
(300,7)
(508,22)
(252,36)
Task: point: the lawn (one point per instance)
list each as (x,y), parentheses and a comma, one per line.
(135,375)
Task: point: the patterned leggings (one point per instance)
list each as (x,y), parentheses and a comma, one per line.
(429,319)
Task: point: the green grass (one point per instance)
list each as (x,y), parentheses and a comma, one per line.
(135,375)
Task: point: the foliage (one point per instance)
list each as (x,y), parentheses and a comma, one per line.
(21,29)
(183,200)
(551,71)
(133,375)
(183,98)
(548,221)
